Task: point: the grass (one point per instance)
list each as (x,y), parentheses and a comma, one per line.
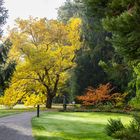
(73,126)
(17,109)
(7,112)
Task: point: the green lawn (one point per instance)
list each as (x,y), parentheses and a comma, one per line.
(17,109)
(73,126)
(7,112)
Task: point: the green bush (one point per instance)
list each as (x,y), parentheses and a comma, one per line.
(127,134)
(76,106)
(132,132)
(105,107)
(113,126)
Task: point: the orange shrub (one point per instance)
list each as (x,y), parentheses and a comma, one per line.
(102,95)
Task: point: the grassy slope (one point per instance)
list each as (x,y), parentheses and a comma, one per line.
(73,126)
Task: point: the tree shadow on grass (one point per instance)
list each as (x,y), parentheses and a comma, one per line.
(7,133)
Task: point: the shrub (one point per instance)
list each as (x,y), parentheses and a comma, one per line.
(102,95)
(96,96)
(113,126)
(132,132)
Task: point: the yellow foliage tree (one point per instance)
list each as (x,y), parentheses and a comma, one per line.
(44,51)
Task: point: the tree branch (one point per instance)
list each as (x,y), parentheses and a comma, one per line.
(56,84)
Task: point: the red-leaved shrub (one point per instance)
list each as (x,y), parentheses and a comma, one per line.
(101,95)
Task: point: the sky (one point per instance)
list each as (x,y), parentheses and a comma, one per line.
(35,8)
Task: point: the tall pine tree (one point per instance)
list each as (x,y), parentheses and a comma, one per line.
(123,20)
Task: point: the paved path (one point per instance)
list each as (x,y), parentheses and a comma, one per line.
(16,127)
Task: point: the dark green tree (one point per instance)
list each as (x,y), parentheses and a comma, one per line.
(123,21)
(88,71)
(6,67)
(68,10)
(95,48)
(3,16)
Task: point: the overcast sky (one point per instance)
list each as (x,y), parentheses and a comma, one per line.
(35,8)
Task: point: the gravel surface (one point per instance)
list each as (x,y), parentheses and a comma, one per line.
(17,127)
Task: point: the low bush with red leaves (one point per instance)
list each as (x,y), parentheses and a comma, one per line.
(103,94)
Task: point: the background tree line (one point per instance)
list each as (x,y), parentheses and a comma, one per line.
(110,52)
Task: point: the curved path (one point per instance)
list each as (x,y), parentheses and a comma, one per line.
(17,127)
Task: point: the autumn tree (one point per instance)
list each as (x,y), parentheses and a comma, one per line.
(45,53)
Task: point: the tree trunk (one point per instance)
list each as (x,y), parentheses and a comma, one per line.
(49,102)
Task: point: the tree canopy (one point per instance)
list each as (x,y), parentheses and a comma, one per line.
(46,52)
